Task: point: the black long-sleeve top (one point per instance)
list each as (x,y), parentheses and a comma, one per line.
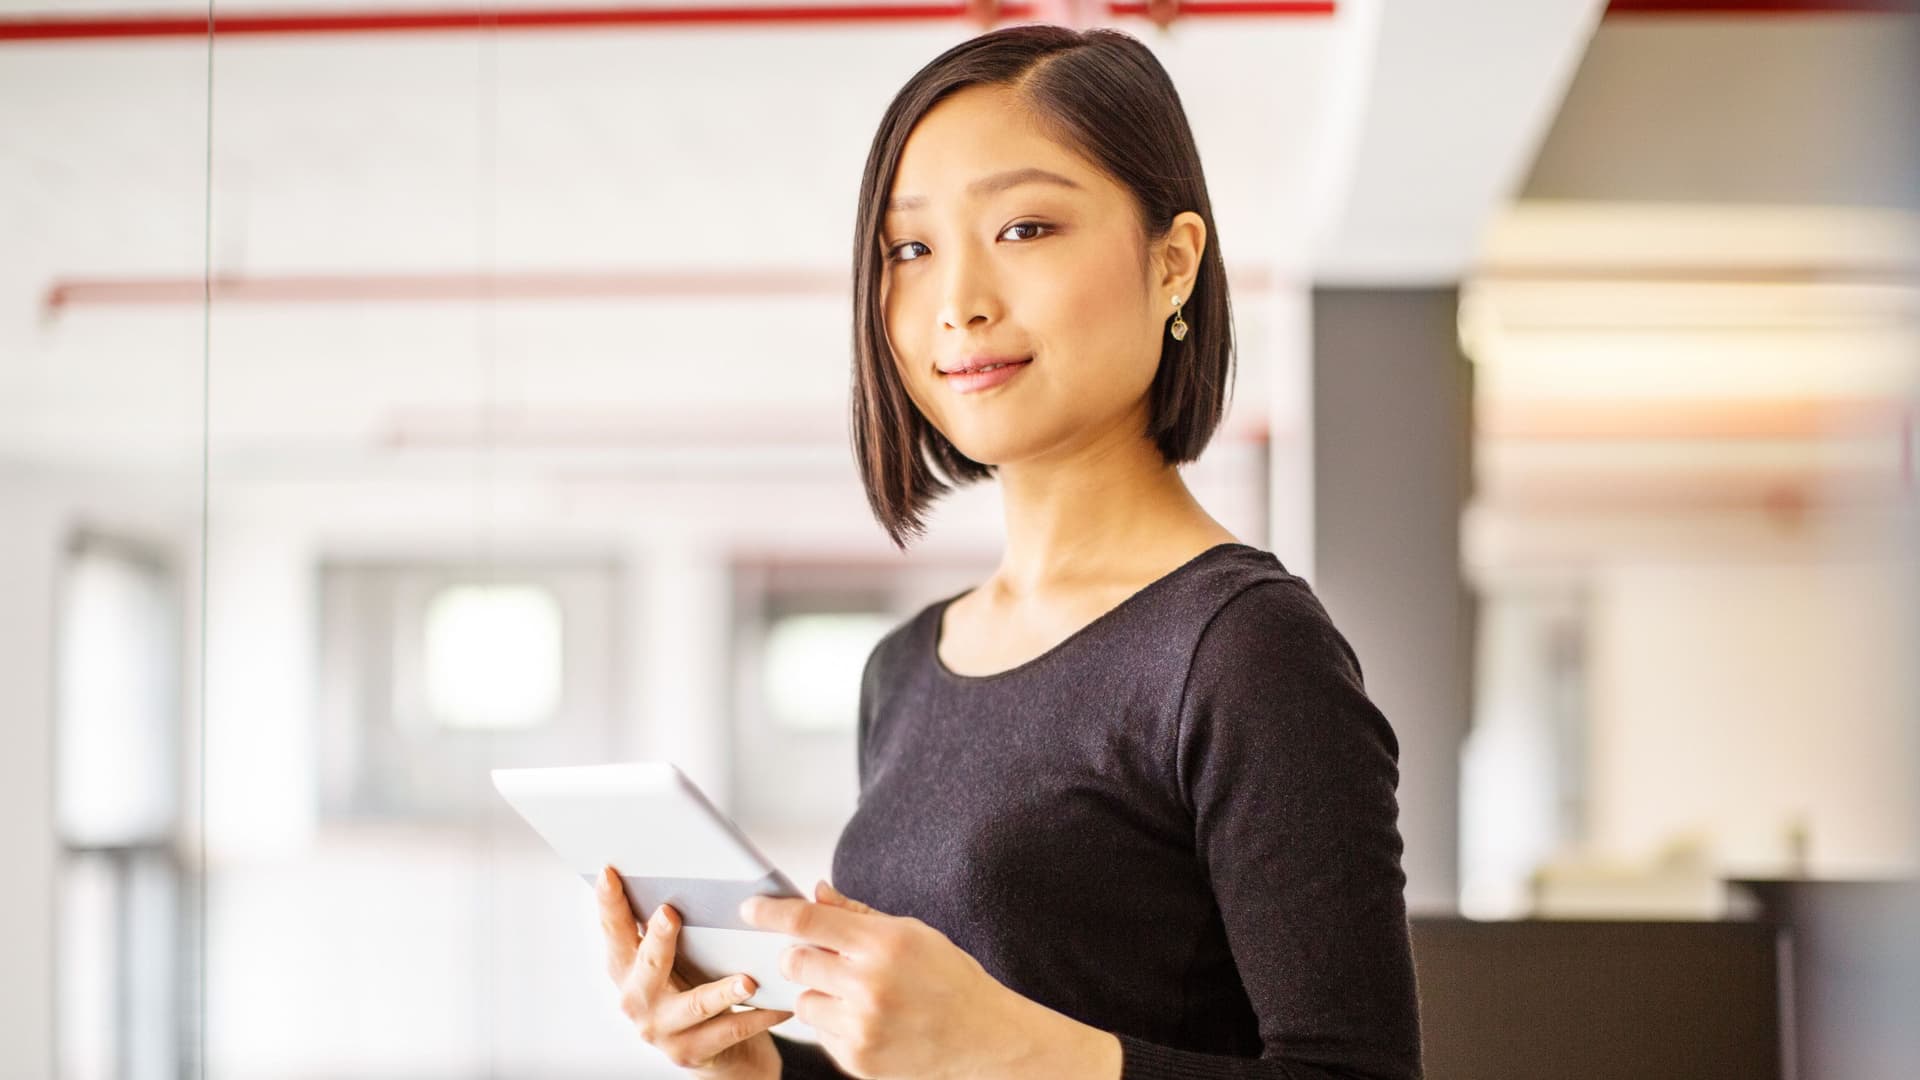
(1178,825)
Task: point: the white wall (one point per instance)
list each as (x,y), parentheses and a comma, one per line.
(1729,699)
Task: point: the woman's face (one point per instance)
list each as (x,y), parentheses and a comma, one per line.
(1001,243)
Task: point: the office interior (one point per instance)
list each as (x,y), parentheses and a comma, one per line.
(347,348)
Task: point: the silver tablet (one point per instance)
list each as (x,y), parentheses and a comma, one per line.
(670,845)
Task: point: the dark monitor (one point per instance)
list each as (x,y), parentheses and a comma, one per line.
(1599,1000)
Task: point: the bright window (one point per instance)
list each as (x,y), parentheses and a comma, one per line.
(493,656)
(814,663)
(119,700)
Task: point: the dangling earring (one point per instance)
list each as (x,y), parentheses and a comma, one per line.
(1179,324)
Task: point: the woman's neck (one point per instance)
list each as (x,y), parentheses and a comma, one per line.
(1109,511)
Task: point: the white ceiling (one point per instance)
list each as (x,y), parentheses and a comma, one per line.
(1372,146)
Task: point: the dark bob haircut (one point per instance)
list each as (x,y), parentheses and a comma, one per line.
(1103,94)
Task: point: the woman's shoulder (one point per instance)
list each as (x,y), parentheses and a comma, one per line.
(1250,585)
(895,646)
(1271,676)
(1221,573)
(1258,614)
(1229,592)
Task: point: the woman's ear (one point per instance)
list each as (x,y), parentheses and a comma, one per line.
(1179,255)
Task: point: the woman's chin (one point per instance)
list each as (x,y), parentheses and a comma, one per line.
(995,453)
(980,457)
(997,445)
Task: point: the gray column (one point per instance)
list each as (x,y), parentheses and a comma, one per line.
(1392,421)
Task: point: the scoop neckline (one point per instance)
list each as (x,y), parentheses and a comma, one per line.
(940,614)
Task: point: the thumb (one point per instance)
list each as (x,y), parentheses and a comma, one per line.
(827,894)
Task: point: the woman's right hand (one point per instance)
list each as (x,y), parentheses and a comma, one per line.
(695,1027)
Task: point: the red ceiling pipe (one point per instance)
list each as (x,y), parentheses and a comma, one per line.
(65,293)
(558,18)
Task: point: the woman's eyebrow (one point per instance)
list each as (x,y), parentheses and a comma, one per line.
(991,185)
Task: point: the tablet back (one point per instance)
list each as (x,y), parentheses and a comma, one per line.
(670,845)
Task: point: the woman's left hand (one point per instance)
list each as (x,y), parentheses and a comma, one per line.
(892,997)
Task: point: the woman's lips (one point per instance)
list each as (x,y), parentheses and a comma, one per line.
(969,382)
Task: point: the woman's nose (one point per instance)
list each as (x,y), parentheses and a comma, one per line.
(967,291)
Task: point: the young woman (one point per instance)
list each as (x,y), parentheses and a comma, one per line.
(1125,807)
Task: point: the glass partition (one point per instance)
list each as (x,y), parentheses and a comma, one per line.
(103,338)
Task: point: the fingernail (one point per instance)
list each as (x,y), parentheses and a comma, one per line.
(746,908)
(739,988)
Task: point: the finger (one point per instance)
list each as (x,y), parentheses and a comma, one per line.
(616,920)
(825,1013)
(819,924)
(821,969)
(707,1000)
(654,971)
(706,1040)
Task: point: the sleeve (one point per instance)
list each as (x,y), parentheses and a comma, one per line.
(863,726)
(805,1061)
(1290,773)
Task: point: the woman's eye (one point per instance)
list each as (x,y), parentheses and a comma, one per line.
(894,252)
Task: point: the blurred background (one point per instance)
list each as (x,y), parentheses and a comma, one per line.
(392,393)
